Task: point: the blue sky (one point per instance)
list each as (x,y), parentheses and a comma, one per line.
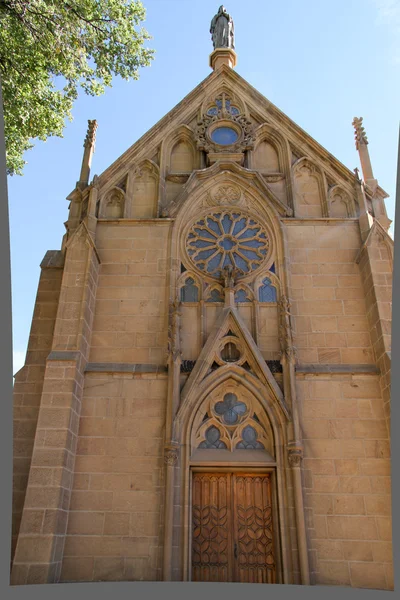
(321,63)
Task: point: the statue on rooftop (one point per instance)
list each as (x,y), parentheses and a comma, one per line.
(222,30)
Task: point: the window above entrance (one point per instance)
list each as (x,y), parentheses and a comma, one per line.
(227,239)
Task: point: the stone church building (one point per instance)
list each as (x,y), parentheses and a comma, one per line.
(206,392)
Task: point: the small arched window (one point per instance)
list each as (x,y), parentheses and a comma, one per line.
(215,296)
(267,292)
(190,291)
(242,296)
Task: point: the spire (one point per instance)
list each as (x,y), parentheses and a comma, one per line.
(223,39)
(89,145)
(362,147)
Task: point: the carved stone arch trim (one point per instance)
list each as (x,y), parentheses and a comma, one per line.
(182,133)
(274,280)
(317,172)
(136,172)
(114,196)
(183,427)
(190,404)
(346,198)
(246,287)
(235,98)
(182,280)
(209,289)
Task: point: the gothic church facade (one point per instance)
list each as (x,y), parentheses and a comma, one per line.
(206,389)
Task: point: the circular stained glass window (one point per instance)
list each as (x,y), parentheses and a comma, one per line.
(224,136)
(227,239)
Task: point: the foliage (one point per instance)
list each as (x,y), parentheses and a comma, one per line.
(49,49)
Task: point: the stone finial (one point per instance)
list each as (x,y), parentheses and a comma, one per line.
(362,147)
(360,135)
(88,145)
(90,138)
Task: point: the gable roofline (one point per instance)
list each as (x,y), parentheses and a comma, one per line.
(266,106)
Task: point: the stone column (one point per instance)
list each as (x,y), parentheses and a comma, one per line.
(295,450)
(39,550)
(171,452)
(295,456)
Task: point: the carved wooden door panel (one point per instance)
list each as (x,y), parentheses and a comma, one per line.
(232,537)
(254,555)
(212,546)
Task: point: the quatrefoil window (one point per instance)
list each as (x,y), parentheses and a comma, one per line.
(230,409)
(227,239)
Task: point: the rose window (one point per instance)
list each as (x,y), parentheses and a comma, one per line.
(226,238)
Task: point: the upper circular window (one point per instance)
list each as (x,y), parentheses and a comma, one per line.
(227,238)
(224,136)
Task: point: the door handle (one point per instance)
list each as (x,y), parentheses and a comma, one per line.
(235,550)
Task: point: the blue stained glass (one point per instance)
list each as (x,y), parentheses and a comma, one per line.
(224,136)
(212,439)
(212,111)
(204,233)
(267,292)
(241,296)
(227,239)
(227,262)
(239,226)
(189,292)
(242,264)
(214,263)
(234,110)
(249,254)
(218,103)
(230,409)
(248,233)
(205,254)
(203,244)
(227,244)
(249,439)
(228,105)
(214,226)
(253,243)
(215,296)
(272,268)
(226,223)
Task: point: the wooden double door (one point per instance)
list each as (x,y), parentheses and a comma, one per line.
(232,534)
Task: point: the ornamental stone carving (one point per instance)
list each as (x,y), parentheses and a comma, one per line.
(295,456)
(171,455)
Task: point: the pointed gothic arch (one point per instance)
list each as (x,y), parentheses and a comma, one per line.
(143,184)
(112,205)
(340,203)
(310,189)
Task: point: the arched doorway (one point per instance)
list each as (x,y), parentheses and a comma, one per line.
(234,484)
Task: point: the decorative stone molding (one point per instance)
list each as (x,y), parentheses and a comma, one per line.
(295,456)
(174,343)
(171,455)
(285,338)
(240,123)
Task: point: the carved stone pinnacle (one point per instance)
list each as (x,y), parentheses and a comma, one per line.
(360,135)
